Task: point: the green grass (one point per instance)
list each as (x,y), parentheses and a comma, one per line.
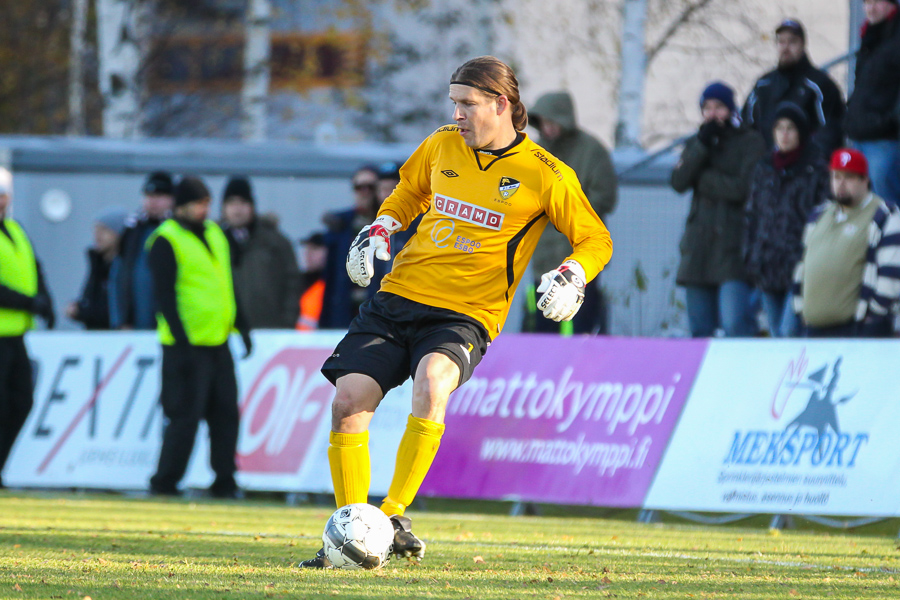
(106,546)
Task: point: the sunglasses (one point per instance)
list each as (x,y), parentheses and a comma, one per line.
(363,186)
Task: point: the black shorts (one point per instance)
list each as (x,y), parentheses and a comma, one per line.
(392,334)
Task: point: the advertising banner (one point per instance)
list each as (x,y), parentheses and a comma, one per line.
(788,427)
(96,421)
(579,420)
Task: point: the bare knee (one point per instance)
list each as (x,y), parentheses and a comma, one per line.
(355,400)
(436,378)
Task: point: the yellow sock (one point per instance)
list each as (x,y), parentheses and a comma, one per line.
(348,455)
(417,449)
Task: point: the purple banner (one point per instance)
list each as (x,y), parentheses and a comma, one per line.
(580,420)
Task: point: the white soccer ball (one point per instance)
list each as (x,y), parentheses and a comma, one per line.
(358,536)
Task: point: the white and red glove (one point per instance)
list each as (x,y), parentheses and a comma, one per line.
(563,291)
(373,241)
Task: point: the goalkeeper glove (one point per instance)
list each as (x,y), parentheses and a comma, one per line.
(373,241)
(563,291)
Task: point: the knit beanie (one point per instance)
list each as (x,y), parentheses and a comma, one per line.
(718,91)
(113,219)
(189,189)
(789,110)
(240,187)
(159,182)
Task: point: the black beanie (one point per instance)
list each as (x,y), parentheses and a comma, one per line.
(159,182)
(789,110)
(190,188)
(240,187)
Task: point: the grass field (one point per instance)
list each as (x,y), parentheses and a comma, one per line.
(106,546)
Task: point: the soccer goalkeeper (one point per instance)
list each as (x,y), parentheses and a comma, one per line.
(487,192)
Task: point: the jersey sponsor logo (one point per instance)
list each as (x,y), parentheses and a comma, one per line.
(508,187)
(467,245)
(467,212)
(550,163)
(450,173)
(442,231)
(447,128)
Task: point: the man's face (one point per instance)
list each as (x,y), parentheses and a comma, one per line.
(105,239)
(157,205)
(385,187)
(878,10)
(314,257)
(714,110)
(196,211)
(237,211)
(364,185)
(787,136)
(550,129)
(478,116)
(849,189)
(791,48)
(5,201)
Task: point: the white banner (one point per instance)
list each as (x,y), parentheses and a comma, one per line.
(788,427)
(96,421)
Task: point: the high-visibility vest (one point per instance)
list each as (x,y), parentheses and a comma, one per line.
(204,290)
(311,306)
(18,271)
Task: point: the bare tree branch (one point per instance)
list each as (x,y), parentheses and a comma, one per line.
(674,26)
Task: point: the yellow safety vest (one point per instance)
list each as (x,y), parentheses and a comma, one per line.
(204,289)
(18,271)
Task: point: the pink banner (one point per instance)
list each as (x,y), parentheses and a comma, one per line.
(581,420)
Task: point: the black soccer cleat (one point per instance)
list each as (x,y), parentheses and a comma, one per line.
(319,561)
(406,544)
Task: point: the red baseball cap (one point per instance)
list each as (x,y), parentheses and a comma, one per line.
(850,160)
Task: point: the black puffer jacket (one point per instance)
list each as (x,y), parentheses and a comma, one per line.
(872,112)
(777,211)
(812,90)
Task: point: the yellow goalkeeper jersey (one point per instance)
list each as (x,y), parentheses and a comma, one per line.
(483,217)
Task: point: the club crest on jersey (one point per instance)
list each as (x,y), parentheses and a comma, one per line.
(508,187)
(470,213)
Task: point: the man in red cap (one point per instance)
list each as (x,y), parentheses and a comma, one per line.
(848,281)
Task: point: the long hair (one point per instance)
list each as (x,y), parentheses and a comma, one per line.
(493,76)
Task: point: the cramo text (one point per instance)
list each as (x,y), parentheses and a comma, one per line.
(525,397)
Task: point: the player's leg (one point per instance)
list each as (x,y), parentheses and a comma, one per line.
(436,377)
(355,400)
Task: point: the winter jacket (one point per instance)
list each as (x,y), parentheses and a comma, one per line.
(131,302)
(777,210)
(266,276)
(719,176)
(592,164)
(873,112)
(342,296)
(812,89)
(93,305)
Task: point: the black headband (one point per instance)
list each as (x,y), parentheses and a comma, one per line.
(476,86)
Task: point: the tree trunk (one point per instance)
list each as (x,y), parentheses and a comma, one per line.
(256,71)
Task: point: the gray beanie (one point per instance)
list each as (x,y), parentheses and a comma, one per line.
(113,218)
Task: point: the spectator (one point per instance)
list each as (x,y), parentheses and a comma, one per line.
(847,282)
(873,113)
(312,281)
(716,164)
(797,80)
(190,260)
(92,308)
(786,186)
(131,284)
(342,297)
(554,116)
(266,275)
(23,294)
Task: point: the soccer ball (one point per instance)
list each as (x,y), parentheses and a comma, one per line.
(358,536)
